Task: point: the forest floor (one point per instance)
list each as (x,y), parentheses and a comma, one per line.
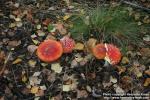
(76,75)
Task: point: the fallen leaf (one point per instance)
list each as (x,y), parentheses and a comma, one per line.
(40,93)
(32,48)
(14,43)
(79,46)
(56,67)
(34,80)
(61,28)
(36,74)
(51,28)
(66,17)
(147,82)
(35,41)
(18,60)
(91,43)
(147,72)
(145,52)
(24,78)
(66,88)
(40,33)
(46,21)
(43,87)
(113,80)
(125,60)
(32,63)
(34,89)
(146,38)
(121,69)
(38,26)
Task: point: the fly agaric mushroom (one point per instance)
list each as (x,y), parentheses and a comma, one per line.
(99,51)
(68,44)
(113,54)
(49,50)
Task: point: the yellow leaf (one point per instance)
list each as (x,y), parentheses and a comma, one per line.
(125,60)
(66,17)
(79,46)
(34,89)
(18,60)
(35,41)
(24,78)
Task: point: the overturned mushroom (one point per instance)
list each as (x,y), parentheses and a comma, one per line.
(49,50)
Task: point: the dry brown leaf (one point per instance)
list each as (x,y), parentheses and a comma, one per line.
(147,72)
(46,21)
(147,82)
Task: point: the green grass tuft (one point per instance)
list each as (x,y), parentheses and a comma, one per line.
(112,25)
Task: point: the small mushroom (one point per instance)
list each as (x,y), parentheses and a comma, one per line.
(68,44)
(113,54)
(49,50)
(99,51)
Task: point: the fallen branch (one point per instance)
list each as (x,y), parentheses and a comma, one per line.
(136,6)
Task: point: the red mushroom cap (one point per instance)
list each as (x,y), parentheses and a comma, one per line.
(99,51)
(49,50)
(68,44)
(113,54)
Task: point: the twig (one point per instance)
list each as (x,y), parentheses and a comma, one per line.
(5,63)
(136,5)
